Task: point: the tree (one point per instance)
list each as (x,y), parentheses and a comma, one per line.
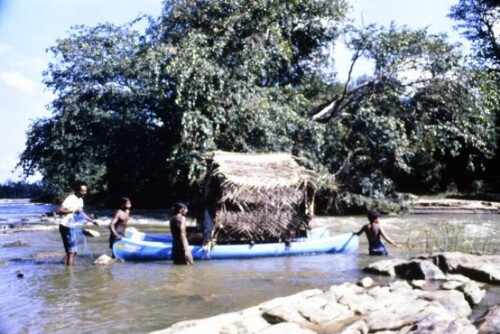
(478,21)
(242,65)
(135,114)
(105,127)
(414,124)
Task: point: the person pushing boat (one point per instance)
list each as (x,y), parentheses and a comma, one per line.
(180,246)
(118,224)
(374,231)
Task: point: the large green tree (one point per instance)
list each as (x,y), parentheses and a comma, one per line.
(105,127)
(421,122)
(135,114)
(478,20)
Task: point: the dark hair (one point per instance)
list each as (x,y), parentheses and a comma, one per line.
(373,215)
(123,200)
(78,184)
(179,205)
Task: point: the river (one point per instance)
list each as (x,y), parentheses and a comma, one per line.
(144,297)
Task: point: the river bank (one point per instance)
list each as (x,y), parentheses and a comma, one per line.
(442,293)
(440,204)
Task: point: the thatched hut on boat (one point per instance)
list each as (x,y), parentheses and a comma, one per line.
(257,197)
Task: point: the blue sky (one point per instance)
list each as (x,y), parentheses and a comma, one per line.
(29,27)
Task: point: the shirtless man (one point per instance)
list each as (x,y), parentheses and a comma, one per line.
(374,231)
(180,247)
(118,224)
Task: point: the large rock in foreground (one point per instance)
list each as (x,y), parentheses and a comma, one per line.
(435,297)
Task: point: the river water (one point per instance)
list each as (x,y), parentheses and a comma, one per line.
(144,297)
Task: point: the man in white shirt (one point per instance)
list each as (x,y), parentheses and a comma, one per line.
(72,211)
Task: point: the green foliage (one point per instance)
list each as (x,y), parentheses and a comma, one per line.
(135,114)
(454,133)
(422,122)
(478,20)
(20,190)
(104,127)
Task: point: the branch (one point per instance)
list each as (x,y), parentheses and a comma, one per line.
(340,102)
(346,161)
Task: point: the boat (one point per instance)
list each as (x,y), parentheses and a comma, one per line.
(138,246)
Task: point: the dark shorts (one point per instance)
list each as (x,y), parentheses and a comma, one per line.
(179,257)
(112,239)
(379,250)
(69,238)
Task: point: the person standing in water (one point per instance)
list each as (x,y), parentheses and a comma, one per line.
(180,247)
(118,225)
(72,211)
(374,231)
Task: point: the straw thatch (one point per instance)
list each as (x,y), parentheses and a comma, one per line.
(257,197)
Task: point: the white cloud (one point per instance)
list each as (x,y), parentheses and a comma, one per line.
(17,81)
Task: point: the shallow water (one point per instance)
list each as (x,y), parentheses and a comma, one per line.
(143,297)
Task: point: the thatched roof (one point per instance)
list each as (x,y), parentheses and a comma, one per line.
(258,196)
(259,170)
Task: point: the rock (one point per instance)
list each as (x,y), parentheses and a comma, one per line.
(422,284)
(206,326)
(384,267)
(290,309)
(457,278)
(104,260)
(18,243)
(419,269)
(359,327)
(473,292)
(289,328)
(489,322)
(452,301)
(451,285)
(440,301)
(366,282)
(91,233)
(480,268)
(482,272)
(251,324)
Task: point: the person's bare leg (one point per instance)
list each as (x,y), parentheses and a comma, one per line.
(70,259)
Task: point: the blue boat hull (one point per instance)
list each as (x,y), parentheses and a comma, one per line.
(133,249)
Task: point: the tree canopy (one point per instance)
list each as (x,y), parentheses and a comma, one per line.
(135,113)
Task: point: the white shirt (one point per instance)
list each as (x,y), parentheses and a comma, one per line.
(71,203)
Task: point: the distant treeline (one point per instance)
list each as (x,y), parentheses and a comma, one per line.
(20,190)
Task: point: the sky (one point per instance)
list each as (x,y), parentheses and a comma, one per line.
(29,27)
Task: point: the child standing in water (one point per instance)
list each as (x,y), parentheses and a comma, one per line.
(374,231)
(118,224)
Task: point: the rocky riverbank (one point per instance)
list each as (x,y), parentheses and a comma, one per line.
(429,294)
(428,204)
